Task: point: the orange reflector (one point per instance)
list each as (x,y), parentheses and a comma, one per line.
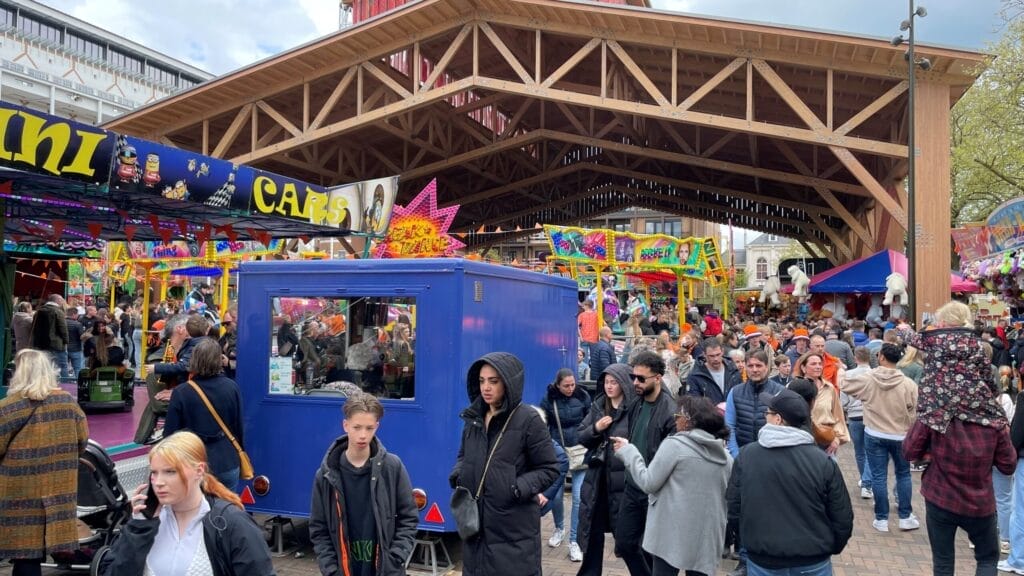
(420,497)
(434,515)
(261,485)
(247,496)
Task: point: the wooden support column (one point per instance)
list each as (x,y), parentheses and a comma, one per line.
(932,189)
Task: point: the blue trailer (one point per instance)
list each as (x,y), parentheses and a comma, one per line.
(404,330)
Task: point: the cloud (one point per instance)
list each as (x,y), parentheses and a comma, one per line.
(216,35)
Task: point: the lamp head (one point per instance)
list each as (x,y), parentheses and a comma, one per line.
(905,25)
(896,40)
(920,12)
(925,64)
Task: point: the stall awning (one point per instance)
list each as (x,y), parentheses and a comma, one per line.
(867,276)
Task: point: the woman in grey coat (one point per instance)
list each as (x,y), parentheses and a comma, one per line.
(686,482)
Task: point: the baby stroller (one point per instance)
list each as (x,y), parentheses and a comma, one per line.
(103,506)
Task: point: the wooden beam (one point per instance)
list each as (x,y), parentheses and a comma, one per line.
(696,118)
(503,49)
(387,80)
(442,64)
(638,74)
(750,92)
(833,236)
(725,139)
(572,119)
(711,84)
(279,118)
(571,62)
(232,132)
(880,194)
(305,106)
(206,138)
(677,138)
(332,100)
(873,108)
(829,97)
(788,96)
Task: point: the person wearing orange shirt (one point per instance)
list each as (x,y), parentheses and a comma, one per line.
(832,365)
(587,323)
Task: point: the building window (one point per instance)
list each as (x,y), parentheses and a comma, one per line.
(33,27)
(6,17)
(654,227)
(83,46)
(674,228)
(124,61)
(762,270)
(158,74)
(772,238)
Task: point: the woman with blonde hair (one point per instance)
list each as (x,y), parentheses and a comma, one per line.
(911,364)
(42,432)
(198,526)
(826,413)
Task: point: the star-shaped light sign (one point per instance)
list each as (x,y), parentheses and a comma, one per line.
(419,229)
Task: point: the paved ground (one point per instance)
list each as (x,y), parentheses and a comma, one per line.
(869,553)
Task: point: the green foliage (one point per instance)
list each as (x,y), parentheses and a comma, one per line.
(987,130)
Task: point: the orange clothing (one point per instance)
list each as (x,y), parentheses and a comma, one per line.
(587,322)
(335,324)
(830,369)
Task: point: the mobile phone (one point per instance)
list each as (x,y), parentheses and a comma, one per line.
(152,503)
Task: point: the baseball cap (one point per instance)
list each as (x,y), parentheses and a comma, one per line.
(790,405)
(801,333)
(751,331)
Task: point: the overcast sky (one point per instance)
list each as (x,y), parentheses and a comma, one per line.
(222,35)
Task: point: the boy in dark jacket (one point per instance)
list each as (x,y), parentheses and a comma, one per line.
(363,513)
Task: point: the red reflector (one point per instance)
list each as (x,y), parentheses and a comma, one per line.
(434,515)
(247,496)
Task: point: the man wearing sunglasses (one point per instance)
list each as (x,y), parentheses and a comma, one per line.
(651,418)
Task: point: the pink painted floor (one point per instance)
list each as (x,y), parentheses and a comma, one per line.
(114,428)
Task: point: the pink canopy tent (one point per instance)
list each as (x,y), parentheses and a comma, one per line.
(867,275)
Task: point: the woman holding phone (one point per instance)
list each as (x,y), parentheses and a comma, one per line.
(193,526)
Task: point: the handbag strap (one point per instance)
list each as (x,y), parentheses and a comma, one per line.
(216,416)
(558,421)
(24,424)
(480,488)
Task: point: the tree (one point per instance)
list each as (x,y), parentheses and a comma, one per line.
(987,129)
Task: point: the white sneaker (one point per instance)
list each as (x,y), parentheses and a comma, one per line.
(880,525)
(575,554)
(1004,547)
(556,538)
(909,523)
(1004,566)
(867,493)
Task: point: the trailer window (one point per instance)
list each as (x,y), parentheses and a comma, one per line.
(325,346)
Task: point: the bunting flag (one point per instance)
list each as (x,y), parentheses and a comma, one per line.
(95,229)
(165,234)
(304,238)
(123,214)
(154,221)
(232,234)
(203,236)
(183,226)
(129,232)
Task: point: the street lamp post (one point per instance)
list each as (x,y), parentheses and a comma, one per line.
(912,64)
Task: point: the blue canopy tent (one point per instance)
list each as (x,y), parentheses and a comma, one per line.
(867,276)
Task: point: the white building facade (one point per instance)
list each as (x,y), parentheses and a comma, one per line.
(55,63)
(763,256)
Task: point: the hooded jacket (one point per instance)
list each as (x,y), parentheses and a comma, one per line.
(523,466)
(701,383)
(890,400)
(603,484)
(394,511)
(785,480)
(571,412)
(233,541)
(689,472)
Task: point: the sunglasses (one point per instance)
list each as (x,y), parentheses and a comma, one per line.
(641,379)
(771,413)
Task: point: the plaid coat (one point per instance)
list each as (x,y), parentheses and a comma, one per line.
(39,447)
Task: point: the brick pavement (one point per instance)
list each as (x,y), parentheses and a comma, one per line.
(869,553)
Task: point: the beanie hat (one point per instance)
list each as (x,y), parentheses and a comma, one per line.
(751,331)
(801,333)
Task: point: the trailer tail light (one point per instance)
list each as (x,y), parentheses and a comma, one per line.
(434,515)
(420,496)
(261,485)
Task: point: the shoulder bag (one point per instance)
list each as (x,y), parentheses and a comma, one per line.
(577,453)
(464,503)
(245,471)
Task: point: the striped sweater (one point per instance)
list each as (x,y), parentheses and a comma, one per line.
(39,447)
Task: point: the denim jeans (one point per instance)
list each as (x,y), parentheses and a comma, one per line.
(558,509)
(60,360)
(77,362)
(585,346)
(1002,485)
(982,532)
(137,348)
(879,450)
(230,479)
(1016,558)
(823,568)
(857,434)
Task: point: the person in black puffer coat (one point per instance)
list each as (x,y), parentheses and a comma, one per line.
(605,480)
(523,466)
(572,403)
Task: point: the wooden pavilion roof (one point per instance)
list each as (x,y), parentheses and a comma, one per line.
(550,111)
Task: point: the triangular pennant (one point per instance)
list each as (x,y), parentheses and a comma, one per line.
(519,228)
(165,235)
(154,221)
(183,226)
(129,232)
(481,229)
(17,238)
(95,229)
(202,236)
(497,230)
(123,214)
(538,225)
(232,235)
(304,238)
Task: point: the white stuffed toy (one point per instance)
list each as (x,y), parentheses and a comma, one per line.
(770,291)
(800,282)
(874,316)
(836,311)
(895,288)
